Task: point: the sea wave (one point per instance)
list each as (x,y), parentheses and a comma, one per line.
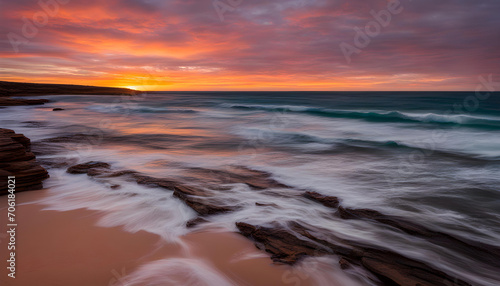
(380,116)
(114,108)
(315,144)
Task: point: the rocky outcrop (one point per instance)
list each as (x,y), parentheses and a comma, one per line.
(266,205)
(6,101)
(199,199)
(195,222)
(289,243)
(283,246)
(24,88)
(489,254)
(91,168)
(327,201)
(17,160)
(255,179)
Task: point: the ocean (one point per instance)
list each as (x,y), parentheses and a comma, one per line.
(432,158)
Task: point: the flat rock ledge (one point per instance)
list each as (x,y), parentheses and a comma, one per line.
(489,254)
(327,201)
(17,160)
(289,243)
(199,199)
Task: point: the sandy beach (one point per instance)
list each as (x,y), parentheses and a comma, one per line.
(67,248)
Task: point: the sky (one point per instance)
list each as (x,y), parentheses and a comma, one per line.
(252,44)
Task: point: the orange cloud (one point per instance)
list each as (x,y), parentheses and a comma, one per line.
(183,45)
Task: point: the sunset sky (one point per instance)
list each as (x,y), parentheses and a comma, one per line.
(249,44)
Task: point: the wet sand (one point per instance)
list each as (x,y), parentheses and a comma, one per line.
(67,248)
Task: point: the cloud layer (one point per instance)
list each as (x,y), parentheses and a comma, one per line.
(250,45)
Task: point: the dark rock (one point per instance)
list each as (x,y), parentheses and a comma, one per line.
(58,109)
(486,253)
(237,174)
(154,182)
(119,174)
(266,205)
(7,101)
(344,264)
(114,187)
(327,201)
(394,269)
(196,198)
(25,88)
(284,246)
(347,213)
(195,222)
(202,206)
(17,160)
(92,168)
(289,244)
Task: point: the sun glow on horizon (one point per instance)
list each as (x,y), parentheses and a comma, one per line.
(184,45)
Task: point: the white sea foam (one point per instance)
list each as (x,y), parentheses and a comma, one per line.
(177,271)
